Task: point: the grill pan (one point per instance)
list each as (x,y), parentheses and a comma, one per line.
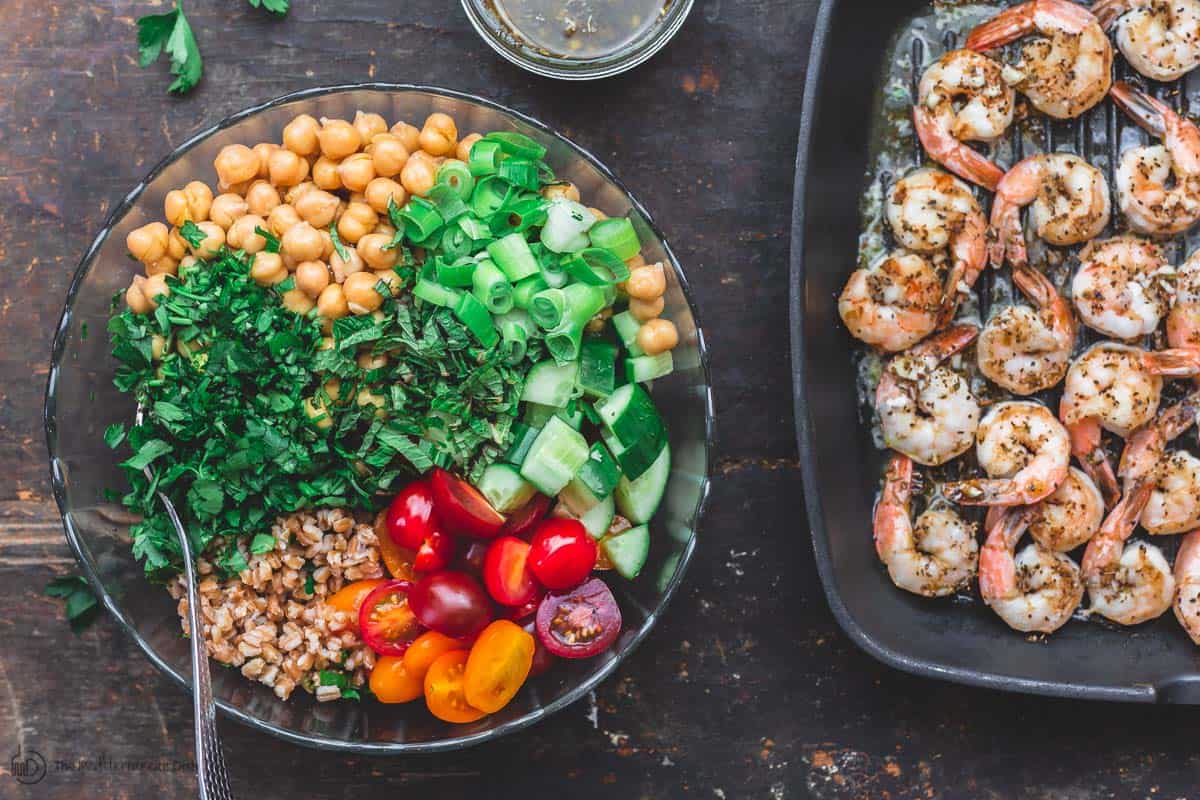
(838,160)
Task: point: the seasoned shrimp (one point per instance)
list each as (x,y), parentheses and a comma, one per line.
(1174,505)
(1132,583)
(1023,349)
(1025,451)
(1146,447)
(1158,187)
(927,411)
(1122,287)
(1159,38)
(931,211)
(963,97)
(1070,516)
(1068,200)
(894,303)
(1187,585)
(1035,591)
(1067,68)
(936,556)
(1183,320)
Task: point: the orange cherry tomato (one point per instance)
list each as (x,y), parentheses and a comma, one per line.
(398,560)
(444,689)
(350,597)
(426,649)
(392,683)
(498,665)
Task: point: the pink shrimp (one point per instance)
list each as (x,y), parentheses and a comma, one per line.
(1187,585)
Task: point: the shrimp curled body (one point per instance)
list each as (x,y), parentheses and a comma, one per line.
(1035,591)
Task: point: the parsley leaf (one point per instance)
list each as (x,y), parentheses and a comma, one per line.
(274,6)
(172,33)
(262,543)
(81,604)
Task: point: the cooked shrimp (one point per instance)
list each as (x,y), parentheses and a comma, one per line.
(894,303)
(1068,200)
(1183,320)
(963,97)
(1036,591)
(1158,187)
(931,211)
(1070,516)
(1122,287)
(935,557)
(1174,505)
(1146,447)
(1023,349)
(1025,451)
(1187,585)
(927,411)
(1066,69)
(1159,38)
(1131,583)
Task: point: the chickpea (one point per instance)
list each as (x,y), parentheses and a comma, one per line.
(317,207)
(226,208)
(287,168)
(296,192)
(300,135)
(186,265)
(657,336)
(282,219)
(633,262)
(267,269)
(565,190)
(312,277)
(327,343)
(409,135)
(370,247)
(418,175)
(263,151)
(369,361)
(344,268)
(315,407)
(235,188)
(381,190)
(647,283)
(236,163)
(158,346)
(214,237)
(463,151)
(644,310)
(369,125)
(338,138)
(327,248)
(261,198)
(177,246)
(356,221)
(331,304)
(148,243)
(302,242)
(135,297)
(297,301)
(153,287)
(390,278)
(325,174)
(388,154)
(439,137)
(164,266)
(175,207)
(241,234)
(360,293)
(356,171)
(369,397)
(199,198)
(385,227)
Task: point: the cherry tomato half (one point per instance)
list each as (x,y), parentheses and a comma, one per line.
(506,572)
(412,524)
(521,521)
(350,597)
(386,622)
(444,689)
(452,603)
(473,554)
(497,666)
(426,649)
(561,553)
(527,609)
(618,525)
(399,561)
(579,623)
(462,508)
(391,682)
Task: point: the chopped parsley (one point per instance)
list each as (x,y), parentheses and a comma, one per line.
(81,604)
(170,32)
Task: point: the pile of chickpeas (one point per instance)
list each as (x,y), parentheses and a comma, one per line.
(339,173)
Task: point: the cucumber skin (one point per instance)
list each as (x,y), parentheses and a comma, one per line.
(599,518)
(557,377)
(628,551)
(638,500)
(522,491)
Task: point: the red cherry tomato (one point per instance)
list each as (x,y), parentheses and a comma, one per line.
(579,623)
(472,557)
(452,603)
(412,523)
(462,508)
(386,621)
(521,521)
(518,613)
(506,573)
(561,553)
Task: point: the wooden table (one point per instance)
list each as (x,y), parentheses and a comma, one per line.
(746,688)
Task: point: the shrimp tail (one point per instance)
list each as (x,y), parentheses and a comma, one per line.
(1008,241)
(997,570)
(1148,112)
(1041,292)
(1109,11)
(946,343)
(891,520)
(957,157)
(1026,18)
(1179,362)
(992,492)
(1106,546)
(1088,448)
(970,255)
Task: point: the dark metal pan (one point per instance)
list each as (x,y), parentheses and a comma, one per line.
(966,643)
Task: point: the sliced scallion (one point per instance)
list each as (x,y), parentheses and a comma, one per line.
(475,316)
(433,292)
(421,219)
(457,176)
(616,234)
(491,288)
(484,158)
(490,194)
(459,273)
(567,224)
(547,308)
(516,144)
(513,256)
(524,290)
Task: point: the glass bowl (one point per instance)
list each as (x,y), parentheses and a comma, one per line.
(81,401)
(488,25)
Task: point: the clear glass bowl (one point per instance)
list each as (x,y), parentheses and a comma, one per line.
(488,25)
(81,401)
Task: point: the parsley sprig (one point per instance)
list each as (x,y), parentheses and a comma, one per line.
(81,604)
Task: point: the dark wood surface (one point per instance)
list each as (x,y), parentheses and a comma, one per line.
(747,688)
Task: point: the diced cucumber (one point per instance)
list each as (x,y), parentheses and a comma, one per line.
(628,550)
(627,328)
(536,414)
(629,414)
(600,474)
(578,498)
(504,488)
(638,499)
(550,384)
(590,414)
(597,368)
(647,368)
(572,414)
(635,458)
(556,455)
(523,436)
(599,518)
